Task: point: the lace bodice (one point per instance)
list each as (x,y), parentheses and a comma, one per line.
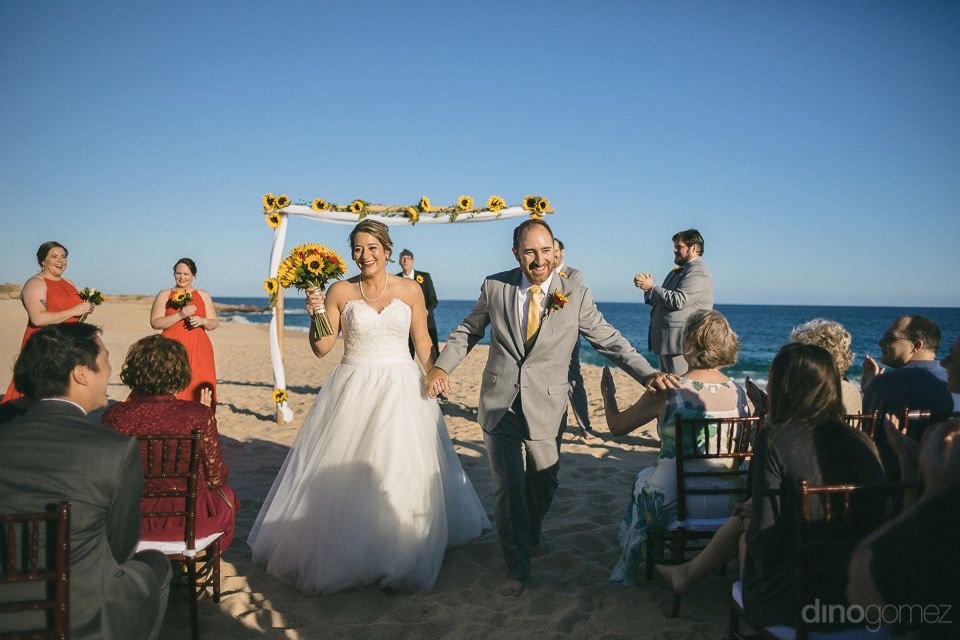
(375,338)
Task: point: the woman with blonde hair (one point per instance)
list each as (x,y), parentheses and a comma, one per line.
(833,337)
(704,392)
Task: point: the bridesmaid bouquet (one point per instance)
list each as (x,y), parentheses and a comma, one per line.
(91,295)
(180,299)
(312,266)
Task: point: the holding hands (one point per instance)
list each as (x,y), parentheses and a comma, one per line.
(643,281)
(437,382)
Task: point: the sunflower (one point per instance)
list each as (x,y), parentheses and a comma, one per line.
(269,201)
(273,219)
(315,265)
(542,205)
(279,396)
(282,201)
(319,204)
(179,296)
(495,203)
(357,206)
(270,285)
(530,202)
(419,279)
(412,214)
(424,205)
(464,203)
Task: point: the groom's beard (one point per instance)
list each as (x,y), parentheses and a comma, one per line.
(536,279)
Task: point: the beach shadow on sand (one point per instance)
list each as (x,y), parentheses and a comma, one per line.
(568,594)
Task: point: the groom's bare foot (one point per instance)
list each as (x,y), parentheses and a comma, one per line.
(511,588)
(675,576)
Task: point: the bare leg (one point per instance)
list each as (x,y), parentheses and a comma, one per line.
(721,549)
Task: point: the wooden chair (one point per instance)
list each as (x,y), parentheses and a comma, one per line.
(40,554)
(728,444)
(866,422)
(920,419)
(833,519)
(171,465)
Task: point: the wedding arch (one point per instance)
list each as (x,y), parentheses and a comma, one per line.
(277,210)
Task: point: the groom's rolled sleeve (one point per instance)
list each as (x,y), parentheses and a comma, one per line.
(609,342)
(467,334)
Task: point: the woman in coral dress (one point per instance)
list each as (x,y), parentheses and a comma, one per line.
(155,369)
(188,325)
(49,298)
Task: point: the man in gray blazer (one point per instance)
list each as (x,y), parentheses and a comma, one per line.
(686,289)
(536,319)
(578,391)
(53,453)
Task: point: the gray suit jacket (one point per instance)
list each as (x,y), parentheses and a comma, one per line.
(538,375)
(54,452)
(573,274)
(683,291)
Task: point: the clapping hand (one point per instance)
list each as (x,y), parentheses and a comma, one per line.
(870,371)
(643,281)
(206,396)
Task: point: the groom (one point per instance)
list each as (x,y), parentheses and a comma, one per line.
(536,319)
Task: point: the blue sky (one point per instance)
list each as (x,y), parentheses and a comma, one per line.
(816,145)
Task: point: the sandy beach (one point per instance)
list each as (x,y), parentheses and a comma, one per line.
(568,595)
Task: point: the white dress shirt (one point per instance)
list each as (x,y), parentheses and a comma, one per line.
(523,299)
(403,274)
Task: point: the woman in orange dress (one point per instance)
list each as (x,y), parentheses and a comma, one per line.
(189,326)
(49,298)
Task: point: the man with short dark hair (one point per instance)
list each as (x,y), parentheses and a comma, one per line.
(55,452)
(429,296)
(686,289)
(916,380)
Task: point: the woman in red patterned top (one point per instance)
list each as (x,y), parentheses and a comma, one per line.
(49,298)
(156,369)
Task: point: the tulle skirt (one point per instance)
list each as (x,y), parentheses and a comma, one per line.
(372,491)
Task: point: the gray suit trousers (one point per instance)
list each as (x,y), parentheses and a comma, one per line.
(522,493)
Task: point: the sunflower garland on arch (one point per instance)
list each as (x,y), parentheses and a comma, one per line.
(278,208)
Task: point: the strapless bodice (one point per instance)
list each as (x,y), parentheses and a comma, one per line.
(372,337)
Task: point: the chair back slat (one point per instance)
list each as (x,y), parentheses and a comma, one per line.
(172,470)
(46,559)
(866,422)
(833,521)
(914,421)
(725,441)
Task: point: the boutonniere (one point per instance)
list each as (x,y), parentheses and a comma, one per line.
(563,274)
(556,301)
(419,279)
(677,268)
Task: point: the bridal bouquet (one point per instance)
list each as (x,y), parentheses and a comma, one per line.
(312,266)
(91,295)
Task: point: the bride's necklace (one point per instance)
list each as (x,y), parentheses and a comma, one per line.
(378,295)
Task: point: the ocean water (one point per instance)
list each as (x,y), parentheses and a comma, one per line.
(763,329)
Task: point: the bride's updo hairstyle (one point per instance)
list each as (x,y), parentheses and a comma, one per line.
(378,230)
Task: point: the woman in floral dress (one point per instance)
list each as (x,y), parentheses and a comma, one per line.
(709,344)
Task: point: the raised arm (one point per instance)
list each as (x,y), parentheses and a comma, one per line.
(693,283)
(214,468)
(467,334)
(34,299)
(610,344)
(648,407)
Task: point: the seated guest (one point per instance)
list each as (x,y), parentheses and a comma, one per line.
(836,340)
(704,392)
(805,437)
(917,381)
(53,453)
(156,370)
(882,573)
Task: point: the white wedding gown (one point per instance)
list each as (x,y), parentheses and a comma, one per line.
(372,491)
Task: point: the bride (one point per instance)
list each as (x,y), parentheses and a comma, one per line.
(372,491)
